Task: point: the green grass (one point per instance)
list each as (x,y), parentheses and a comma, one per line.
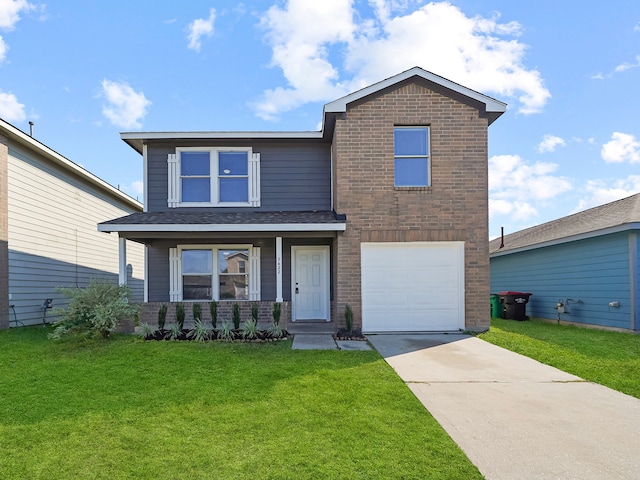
(126,408)
(605,357)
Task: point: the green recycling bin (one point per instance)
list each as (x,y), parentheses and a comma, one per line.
(496,306)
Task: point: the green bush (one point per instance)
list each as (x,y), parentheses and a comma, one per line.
(162,316)
(277,311)
(96,309)
(236,316)
(348,317)
(180,315)
(255,312)
(213,310)
(197,312)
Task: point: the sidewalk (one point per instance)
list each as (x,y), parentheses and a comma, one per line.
(514,417)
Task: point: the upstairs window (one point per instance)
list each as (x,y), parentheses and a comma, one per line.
(411,156)
(214,177)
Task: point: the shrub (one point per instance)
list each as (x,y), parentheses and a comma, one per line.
(226,331)
(254,312)
(277,310)
(96,309)
(236,316)
(180,315)
(197,312)
(250,330)
(348,317)
(146,330)
(162,316)
(174,331)
(200,332)
(213,309)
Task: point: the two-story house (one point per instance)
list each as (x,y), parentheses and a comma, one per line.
(384,209)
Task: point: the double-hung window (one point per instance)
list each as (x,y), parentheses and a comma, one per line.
(214,177)
(411,156)
(215,272)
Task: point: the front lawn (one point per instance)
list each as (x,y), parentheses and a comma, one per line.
(605,357)
(126,408)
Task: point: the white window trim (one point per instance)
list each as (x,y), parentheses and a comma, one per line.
(175,179)
(427,156)
(253,270)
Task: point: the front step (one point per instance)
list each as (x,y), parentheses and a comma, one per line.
(311,327)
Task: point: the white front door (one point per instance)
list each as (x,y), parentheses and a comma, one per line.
(310,283)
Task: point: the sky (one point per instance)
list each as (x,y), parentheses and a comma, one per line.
(85,70)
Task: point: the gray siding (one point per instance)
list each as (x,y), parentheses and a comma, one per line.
(158,267)
(292,176)
(594,271)
(53,238)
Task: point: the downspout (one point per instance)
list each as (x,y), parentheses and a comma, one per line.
(634,323)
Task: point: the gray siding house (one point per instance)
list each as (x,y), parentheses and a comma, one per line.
(587,264)
(49,209)
(384,209)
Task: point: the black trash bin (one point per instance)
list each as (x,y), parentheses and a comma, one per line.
(514,305)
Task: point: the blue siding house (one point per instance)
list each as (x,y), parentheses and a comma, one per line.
(580,269)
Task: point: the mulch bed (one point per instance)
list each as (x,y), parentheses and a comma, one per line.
(344,334)
(262,336)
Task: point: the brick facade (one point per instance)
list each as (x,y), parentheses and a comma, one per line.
(453,208)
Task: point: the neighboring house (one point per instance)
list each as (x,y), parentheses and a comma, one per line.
(49,208)
(587,262)
(384,209)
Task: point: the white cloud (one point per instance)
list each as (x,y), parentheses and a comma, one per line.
(10,15)
(603,191)
(622,147)
(126,107)
(550,143)
(10,108)
(199,28)
(516,187)
(627,65)
(137,187)
(478,52)
(10,12)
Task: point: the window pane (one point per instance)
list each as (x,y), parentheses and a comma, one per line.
(196,287)
(234,189)
(411,172)
(410,141)
(229,260)
(196,190)
(196,261)
(195,163)
(234,287)
(233,163)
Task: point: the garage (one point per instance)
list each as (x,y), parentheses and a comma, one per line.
(412,286)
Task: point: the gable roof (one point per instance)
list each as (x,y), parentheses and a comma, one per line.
(492,107)
(17,136)
(612,217)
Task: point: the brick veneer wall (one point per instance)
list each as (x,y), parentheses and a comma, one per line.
(453,208)
(149,313)
(4,234)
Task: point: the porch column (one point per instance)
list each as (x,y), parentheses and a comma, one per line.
(122,259)
(278,269)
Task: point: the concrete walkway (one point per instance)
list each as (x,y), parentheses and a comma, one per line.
(514,417)
(323,341)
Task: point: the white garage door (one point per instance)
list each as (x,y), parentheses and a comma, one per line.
(412,286)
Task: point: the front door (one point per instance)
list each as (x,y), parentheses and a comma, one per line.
(310,283)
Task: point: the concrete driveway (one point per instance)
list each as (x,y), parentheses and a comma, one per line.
(514,417)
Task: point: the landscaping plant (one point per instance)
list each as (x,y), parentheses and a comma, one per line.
(162,316)
(348,317)
(226,331)
(94,310)
(213,310)
(174,331)
(146,330)
(200,333)
(277,310)
(250,330)
(197,313)
(180,315)
(255,312)
(236,316)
